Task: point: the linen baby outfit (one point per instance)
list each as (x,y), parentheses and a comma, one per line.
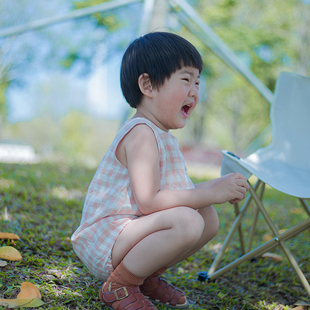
(110,204)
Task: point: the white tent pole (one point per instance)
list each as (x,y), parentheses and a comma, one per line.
(209,37)
(44,22)
(148,9)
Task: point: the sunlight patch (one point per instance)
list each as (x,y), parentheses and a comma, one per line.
(63,193)
(5,184)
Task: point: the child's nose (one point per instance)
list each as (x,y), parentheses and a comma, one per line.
(194,92)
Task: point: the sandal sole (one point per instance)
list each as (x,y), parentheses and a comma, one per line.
(183,306)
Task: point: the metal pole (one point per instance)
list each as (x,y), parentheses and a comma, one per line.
(45,22)
(233,229)
(148,9)
(215,43)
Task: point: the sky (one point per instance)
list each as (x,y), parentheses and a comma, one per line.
(98,93)
(37,77)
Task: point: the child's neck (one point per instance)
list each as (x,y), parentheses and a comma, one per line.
(151,118)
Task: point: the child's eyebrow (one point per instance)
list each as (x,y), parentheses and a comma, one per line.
(189,72)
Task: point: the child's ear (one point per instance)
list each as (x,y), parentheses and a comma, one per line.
(145,85)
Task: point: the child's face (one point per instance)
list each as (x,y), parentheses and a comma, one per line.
(176,99)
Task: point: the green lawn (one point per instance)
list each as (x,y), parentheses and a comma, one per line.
(44,204)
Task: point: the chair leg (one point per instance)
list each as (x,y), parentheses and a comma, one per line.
(305,206)
(236,205)
(252,232)
(264,248)
(233,229)
(277,240)
(286,251)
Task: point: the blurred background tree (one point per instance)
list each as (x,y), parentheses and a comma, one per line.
(61,65)
(269,37)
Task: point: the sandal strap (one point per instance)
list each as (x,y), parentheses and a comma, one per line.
(158,289)
(131,297)
(118,294)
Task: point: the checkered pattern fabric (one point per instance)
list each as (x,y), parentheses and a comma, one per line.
(110,205)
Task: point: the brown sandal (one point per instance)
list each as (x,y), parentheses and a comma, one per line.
(131,296)
(161,292)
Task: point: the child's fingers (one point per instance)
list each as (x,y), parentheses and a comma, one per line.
(238,175)
(243,183)
(234,201)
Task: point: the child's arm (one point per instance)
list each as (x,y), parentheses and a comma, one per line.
(206,183)
(142,161)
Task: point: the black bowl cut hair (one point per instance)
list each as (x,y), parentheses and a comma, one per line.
(159,54)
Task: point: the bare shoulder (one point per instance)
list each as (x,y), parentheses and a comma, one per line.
(140,131)
(140,136)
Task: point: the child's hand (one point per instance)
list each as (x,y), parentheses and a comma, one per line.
(230,187)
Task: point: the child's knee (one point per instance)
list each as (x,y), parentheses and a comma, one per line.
(190,224)
(212,221)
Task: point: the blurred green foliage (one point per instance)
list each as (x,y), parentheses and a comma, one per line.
(268,36)
(106,19)
(44,204)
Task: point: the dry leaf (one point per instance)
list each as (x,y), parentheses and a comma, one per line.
(299,308)
(11,236)
(275,257)
(9,253)
(28,290)
(267,237)
(29,296)
(21,303)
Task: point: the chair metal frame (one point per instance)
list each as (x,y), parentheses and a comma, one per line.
(277,240)
(285,159)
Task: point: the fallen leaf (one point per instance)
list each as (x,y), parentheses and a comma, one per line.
(267,237)
(28,290)
(3,263)
(299,308)
(11,236)
(9,253)
(20,303)
(29,296)
(275,257)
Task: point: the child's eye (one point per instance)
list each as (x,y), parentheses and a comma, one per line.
(186,79)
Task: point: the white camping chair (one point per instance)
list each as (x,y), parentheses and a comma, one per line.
(284,165)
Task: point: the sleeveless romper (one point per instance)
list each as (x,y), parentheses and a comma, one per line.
(109,205)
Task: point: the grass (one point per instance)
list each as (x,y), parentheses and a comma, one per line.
(44,204)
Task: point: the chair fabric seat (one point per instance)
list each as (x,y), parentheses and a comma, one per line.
(265,166)
(285,163)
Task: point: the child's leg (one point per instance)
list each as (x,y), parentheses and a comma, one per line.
(211,227)
(157,288)
(151,242)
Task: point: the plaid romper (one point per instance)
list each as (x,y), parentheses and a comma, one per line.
(110,204)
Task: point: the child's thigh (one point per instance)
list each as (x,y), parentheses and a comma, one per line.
(211,221)
(143,226)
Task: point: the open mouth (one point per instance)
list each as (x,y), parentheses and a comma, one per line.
(186,108)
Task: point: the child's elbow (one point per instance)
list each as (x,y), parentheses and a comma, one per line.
(145,206)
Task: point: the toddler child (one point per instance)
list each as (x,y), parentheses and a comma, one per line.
(142,213)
